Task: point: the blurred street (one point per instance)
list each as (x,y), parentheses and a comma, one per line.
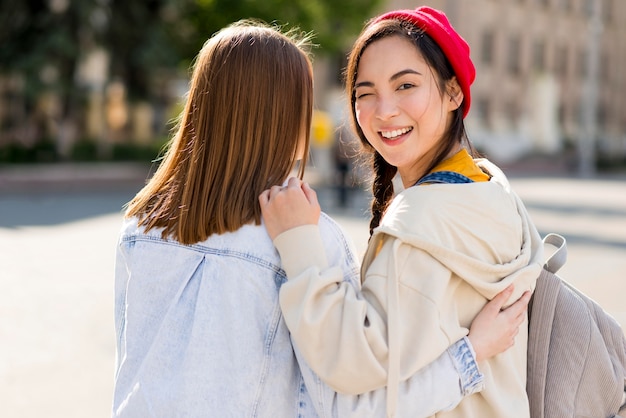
(58,230)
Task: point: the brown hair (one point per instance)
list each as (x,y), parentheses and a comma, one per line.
(250,101)
(383,172)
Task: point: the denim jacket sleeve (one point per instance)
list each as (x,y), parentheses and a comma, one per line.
(439,386)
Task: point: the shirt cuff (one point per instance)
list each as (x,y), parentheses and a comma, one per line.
(464,359)
(301,248)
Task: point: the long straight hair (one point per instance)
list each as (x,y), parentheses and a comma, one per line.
(249,104)
(383,172)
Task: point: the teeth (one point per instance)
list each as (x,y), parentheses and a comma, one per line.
(394,133)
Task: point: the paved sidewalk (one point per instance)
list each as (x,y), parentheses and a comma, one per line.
(66,177)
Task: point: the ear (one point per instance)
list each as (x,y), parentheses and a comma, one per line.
(455,94)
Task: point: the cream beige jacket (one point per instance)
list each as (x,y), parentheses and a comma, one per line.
(441,252)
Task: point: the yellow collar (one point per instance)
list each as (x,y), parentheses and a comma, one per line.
(462,163)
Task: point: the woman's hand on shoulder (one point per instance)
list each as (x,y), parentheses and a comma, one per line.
(494,328)
(288,207)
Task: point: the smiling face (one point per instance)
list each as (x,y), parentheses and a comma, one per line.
(400,107)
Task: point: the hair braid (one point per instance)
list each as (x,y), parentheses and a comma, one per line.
(382,188)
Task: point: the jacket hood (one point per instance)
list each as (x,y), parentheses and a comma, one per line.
(480,231)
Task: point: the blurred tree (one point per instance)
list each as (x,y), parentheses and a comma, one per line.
(45,44)
(41,45)
(143,36)
(37,35)
(333,22)
(139,37)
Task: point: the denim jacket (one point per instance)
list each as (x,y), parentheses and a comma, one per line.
(200,334)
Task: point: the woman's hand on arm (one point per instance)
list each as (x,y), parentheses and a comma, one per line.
(494,329)
(284,208)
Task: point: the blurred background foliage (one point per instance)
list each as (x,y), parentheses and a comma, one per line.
(64,61)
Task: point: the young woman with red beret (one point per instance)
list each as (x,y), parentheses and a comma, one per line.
(199,329)
(446,237)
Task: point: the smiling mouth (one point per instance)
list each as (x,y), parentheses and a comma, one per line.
(395,133)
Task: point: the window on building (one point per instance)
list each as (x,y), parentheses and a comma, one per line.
(561,58)
(561,114)
(607,10)
(577,114)
(544,3)
(602,114)
(605,67)
(512,112)
(514,55)
(539,54)
(487,47)
(483,111)
(582,63)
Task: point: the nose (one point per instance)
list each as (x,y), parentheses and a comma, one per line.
(386,108)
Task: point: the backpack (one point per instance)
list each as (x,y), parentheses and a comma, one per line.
(576,351)
(576,359)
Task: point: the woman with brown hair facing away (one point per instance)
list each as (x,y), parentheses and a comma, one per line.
(452,237)
(199,327)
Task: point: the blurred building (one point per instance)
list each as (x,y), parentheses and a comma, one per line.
(551,80)
(551,74)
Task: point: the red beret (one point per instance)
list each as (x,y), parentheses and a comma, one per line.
(436,25)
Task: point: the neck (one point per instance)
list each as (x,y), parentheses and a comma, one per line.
(419,170)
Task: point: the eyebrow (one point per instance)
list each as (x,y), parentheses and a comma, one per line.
(404,72)
(392,78)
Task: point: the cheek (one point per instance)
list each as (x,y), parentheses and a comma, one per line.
(362,115)
(416,105)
